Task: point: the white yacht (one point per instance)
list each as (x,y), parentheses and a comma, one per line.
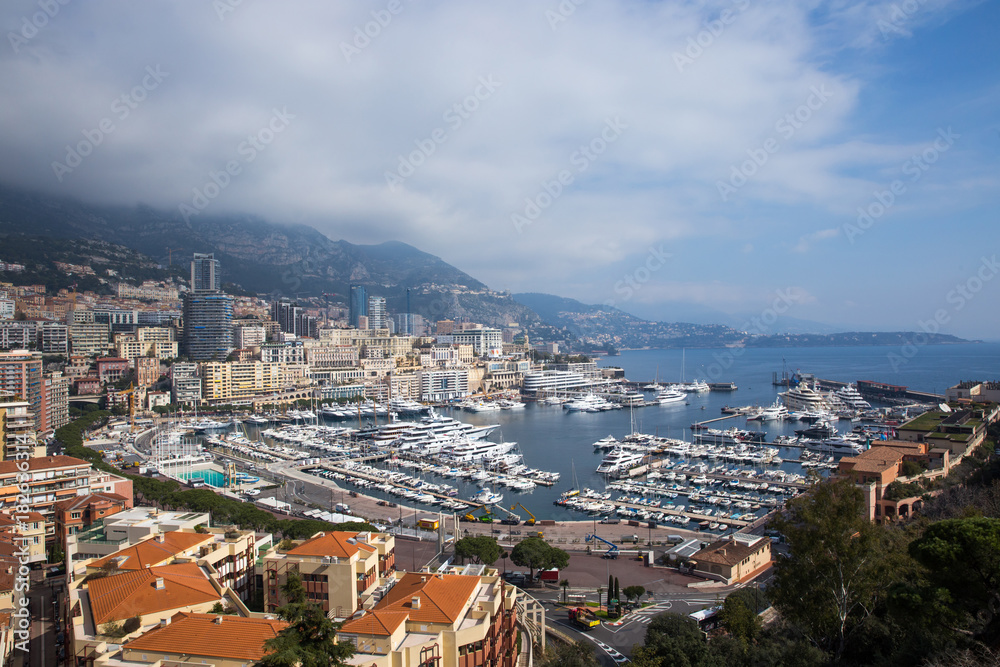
(804,397)
(836,445)
(697,387)
(849,395)
(619,461)
(487,497)
(670,395)
(465,450)
(773,413)
(587,403)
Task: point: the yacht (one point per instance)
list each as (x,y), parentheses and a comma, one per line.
(697,387)
(804,397)
(607,442)
(619,461)
(821,429)
(836,445)
(487,497)
(466,450)
(775,412)
(852,398)
(587,403)
(670,395)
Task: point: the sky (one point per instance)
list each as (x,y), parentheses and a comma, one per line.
(832,162)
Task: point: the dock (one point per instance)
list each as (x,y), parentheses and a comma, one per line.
(703,424)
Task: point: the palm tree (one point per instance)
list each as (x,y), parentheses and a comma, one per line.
(565,584)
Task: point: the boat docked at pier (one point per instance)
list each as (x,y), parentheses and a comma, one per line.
(619,461)
(671,395)
(804,397)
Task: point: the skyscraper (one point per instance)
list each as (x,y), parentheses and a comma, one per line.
(358,305)
(205,274)
(376,312)
(21,375)
(208,313)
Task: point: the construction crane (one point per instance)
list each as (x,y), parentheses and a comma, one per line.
(511,519)
(612,551)
(485,517)
(527,522)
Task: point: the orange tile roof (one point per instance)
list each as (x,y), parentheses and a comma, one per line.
(334,543)
(122,596)
(83,501)
(199,635)
(378,623)
(12,518)
(42,462)
(442,597)
(150,553)
(729,551)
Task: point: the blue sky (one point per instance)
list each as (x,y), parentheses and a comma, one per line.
(732,143)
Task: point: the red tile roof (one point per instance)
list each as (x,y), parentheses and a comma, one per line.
(442,597)
(83,501)
(42,462)
(151,552)
(379,623)
(235,638)
(334,543)
(122,596)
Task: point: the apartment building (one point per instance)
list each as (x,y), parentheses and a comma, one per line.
(21,375)
(463,618)
(115,530)
(53,338)
(52,479)
(341,571)
(17,431)
(223,382)
(82,514)
(55,400)
(185,384)
(26,528)
(443,384)
(89,338)
(111,369)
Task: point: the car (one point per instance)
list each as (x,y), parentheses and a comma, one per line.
(55,571)
(252,492)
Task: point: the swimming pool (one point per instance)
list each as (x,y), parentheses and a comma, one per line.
(211,476)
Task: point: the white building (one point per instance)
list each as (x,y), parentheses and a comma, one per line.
(444,384)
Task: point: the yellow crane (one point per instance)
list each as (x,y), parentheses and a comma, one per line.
(527,522)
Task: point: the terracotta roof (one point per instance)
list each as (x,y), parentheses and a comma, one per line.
(42,462)
(83,501)
(378,623)
(122,596)
(235,638)
(334,543)
(876,459)
(442,597)
(11,518)
(151,552)
(729,551)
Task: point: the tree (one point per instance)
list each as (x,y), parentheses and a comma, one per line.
(611,590)
(534,552)
(672,639)
(634,592)
(963,575)
(617,591)
(564,583)
(839,565)
(739,620)
(578,654)
(480,548)
(308,640)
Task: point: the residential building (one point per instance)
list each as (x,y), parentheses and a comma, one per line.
(248,335)
(117,319)
(485,342)
(185,384)
(222,382)
(147,371)
(18,437)
(82,514)
(540,383)
(51,479)
(960,430)
(17,334)
(55,400)
(206,274)
(736,558)
(111,369)
(443,384)
(292,352)
(358,305)
(28,528)
(89,338)
(115,530)
(341,571)
(332,356)
(466,619)
(876,468)
(53,338)
(208,331)
(21,375)
(221,641)
(377,317)
(149,291)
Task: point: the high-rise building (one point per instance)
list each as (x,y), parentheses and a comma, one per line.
(21,375)
(208,326)
(55,400)
(376,312)
(286,315)
(205,274)
(358,304)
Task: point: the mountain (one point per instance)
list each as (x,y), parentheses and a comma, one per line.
(269,258)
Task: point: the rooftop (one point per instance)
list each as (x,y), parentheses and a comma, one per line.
(153,551)
(193,634)
(122,596)
(442,597)
(731,550)
(43,463)
(380,623)
(339,544)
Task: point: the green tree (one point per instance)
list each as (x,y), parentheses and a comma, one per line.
(617,591)
(611,590)
(963,575)
(672,639)
(309,638)
(839,565)
(578,654)
(534,552)
(633,592)
(739,620)
(564,584)
(478,548)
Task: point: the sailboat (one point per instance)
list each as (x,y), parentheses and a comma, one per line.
(656,386)
(575,491)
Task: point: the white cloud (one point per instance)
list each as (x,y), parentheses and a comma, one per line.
(806,242)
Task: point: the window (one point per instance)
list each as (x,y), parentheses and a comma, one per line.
(75,515)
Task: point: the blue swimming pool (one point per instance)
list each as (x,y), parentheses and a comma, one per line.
(211,477)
